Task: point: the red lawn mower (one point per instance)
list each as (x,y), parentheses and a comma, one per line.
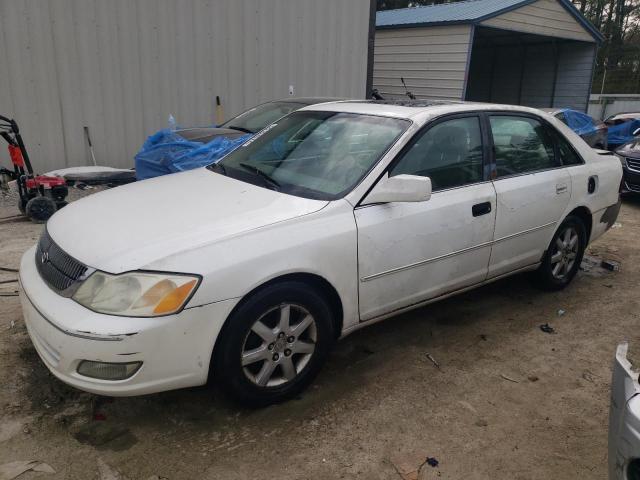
(40,195)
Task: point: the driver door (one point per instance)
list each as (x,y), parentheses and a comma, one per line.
(412,252)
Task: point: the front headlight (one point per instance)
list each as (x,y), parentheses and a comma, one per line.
(136,294)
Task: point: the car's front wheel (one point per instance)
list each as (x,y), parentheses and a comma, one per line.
(274,344)
(564,255)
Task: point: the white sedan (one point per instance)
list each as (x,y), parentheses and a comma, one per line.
(335,217)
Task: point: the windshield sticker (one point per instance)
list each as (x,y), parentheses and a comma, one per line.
(261,133)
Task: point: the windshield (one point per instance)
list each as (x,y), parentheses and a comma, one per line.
(254,120)
(312,154)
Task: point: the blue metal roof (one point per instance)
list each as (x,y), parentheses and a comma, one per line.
(467,11)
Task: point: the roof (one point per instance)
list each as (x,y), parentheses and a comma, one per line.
(467,11)
(419,111)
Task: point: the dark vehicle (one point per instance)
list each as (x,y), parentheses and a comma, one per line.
(629,155)
(171,151)
(592,131)
(623,127)
(251,121)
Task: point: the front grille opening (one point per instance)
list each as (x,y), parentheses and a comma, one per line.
(633,164)
(57,268)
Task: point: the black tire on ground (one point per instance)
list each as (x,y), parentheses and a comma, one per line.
(39,209)
(238,337)
(554,274)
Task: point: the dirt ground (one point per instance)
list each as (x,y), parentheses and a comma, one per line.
(508,401)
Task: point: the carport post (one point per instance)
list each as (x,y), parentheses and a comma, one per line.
(556,60)
(523,47)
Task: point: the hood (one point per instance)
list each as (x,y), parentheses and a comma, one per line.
(631,149)
(128,227)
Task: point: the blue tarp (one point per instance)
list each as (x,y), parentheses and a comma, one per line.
(623,133)
(579,122)
(167,152)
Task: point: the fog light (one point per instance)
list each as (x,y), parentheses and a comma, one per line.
(108,371)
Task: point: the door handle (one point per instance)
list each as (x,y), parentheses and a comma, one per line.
(481,209)
(561,188)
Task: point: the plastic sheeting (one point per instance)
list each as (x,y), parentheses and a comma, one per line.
(579,122)
(623,133)
(167,152)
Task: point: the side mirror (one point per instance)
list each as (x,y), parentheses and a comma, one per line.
(400,188)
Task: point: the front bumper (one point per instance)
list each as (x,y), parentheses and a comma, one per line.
(624,416)
(174,350)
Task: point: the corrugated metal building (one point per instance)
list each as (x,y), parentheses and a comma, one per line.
(529,52)
(120,67)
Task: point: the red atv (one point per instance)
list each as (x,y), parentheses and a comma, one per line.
(40,195)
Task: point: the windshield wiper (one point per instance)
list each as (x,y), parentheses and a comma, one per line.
(218,166)
(240,129)
(261,174)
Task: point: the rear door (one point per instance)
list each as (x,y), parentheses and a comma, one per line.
(532,188)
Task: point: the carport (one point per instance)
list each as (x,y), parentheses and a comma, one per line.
(538,53)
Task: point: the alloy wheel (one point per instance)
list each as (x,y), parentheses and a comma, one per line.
(279,345)
(565,251)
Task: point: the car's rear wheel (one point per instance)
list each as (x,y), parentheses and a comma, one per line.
(564,255)
(274,344)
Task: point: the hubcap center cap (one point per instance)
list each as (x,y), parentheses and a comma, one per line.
(279,345)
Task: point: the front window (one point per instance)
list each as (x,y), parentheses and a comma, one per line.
(313,154)
(450,154)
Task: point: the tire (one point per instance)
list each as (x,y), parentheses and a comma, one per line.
(563,257)
(39,209)
(301,342)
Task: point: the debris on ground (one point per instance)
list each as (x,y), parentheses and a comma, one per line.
(431,461)
(108,473)
(468,406)
(610,265)
(433,360)
(561,312)
(546,328)
(11,470)
(616,225)
(533,378)
(407,466)
(509,378)
(481,422)
(592,266)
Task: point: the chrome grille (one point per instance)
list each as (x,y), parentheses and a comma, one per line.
(58,269)
(633,164)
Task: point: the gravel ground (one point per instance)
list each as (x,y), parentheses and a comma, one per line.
(508,401)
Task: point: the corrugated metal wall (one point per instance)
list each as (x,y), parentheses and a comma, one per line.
(432,60)
(121,67)
(496,74)
(575,69)
(544,17)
